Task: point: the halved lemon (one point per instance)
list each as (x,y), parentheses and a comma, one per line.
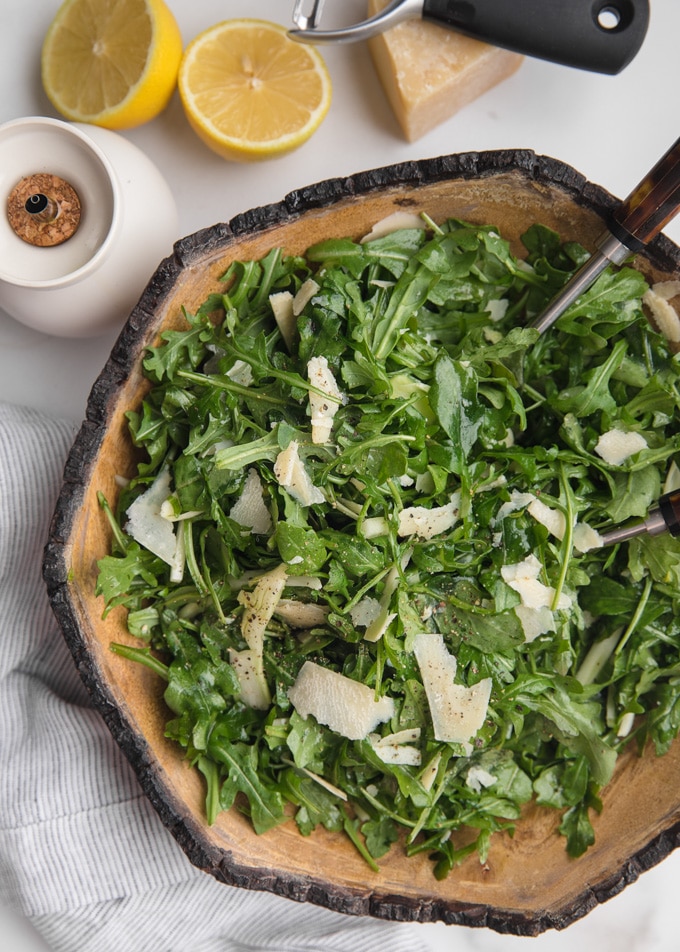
(250,92)
(111,63)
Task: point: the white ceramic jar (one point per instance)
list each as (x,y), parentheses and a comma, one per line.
(87,284)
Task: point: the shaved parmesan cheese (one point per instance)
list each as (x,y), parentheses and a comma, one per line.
(301,614)
(616,446)
(535,621)
(585,538)
(307,291)
(241,373)
(664,315)
(249,509)
(478,778)
(496,309)
(626,725)
(259,607)
(254,690)
(294,478)
(145,523)
(429,774)
(553,520)
(346,706)
(379,625)
(457,711)
(427,523)
(365,611)
(516,502)
(323,405)
(394,222)
(286,320)
(305,581)
(336,791)
(373,527)
(522,577)
(672,481)
(403,754)
(409,736)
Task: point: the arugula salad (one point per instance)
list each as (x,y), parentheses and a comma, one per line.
(363,548)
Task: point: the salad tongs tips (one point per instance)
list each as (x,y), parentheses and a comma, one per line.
(664,518)
(632,225)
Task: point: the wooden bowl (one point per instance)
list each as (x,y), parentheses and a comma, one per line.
(528,884)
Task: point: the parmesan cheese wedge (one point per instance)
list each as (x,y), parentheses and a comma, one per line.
(457,711)
(346,706)
(429,73)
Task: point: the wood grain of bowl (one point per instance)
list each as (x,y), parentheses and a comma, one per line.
(528,884)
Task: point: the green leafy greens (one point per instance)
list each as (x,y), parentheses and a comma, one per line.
(446,402)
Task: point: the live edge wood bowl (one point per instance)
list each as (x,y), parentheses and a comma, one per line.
(528,884)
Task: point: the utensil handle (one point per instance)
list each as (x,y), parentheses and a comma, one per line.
(651,204)
(598,35)
(669,505)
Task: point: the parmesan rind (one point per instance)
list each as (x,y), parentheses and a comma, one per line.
(293,477)
(250,510)
(616,446)
(457,711)
(323,405)
(346,706)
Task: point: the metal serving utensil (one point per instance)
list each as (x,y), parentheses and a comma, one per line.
(598,35)
(664,518)
(632,225)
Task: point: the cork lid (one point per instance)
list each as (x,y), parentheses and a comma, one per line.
(43,210)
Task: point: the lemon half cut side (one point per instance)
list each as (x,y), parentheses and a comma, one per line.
(111,63)
(250,92)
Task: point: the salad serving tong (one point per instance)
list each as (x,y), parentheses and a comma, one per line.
(598,35)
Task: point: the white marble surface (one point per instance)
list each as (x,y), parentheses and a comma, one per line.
(610,128)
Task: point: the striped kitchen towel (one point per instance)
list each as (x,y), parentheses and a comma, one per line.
(83,855)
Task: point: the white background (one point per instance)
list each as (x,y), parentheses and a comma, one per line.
(612,129)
